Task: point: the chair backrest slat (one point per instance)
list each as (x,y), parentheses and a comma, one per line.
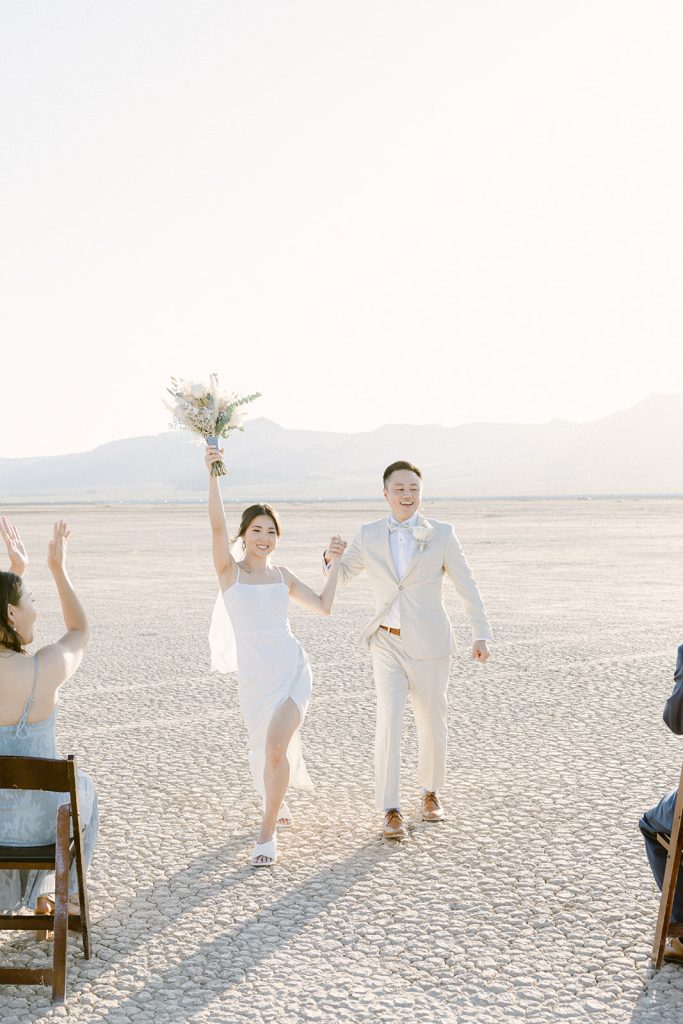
(43,773)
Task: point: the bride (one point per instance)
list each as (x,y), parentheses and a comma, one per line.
(250,633)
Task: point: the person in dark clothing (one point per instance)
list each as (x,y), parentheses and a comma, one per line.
(660,818)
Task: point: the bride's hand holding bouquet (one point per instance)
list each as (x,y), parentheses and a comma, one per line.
(207,412)
(214,455)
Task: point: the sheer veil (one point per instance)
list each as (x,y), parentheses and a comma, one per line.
(222,642)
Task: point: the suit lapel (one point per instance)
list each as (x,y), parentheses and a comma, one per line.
(418,551)
(384,548)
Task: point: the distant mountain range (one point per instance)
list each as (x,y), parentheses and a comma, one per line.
(634,451)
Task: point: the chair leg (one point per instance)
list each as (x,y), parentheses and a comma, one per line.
(83,901)
(61,905)
(85,919)
(673,863)
(663,917)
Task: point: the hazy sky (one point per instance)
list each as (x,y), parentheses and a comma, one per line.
(370,211)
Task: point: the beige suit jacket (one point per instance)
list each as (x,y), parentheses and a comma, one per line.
(425,627)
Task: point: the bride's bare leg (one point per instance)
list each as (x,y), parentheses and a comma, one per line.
(276,772)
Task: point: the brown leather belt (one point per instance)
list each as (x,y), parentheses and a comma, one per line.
(390,629)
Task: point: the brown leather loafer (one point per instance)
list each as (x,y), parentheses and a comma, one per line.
(431,808)
(394,825)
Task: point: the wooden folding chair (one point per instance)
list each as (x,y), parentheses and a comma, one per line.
(672,845)
(52,776)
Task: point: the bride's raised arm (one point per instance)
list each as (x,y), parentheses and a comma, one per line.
(223,562)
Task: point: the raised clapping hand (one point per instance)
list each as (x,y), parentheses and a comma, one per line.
(212,455)
(18,558)
(56,549)
(335,549)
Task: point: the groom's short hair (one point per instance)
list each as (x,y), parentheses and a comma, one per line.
(401,464)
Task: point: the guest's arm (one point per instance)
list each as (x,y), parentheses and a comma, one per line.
(223,562)
(673,709)
(18,557)
(59,661)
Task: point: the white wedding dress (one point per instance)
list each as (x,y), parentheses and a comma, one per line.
(250,633)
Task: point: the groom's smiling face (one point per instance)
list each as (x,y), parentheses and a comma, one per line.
(403,492)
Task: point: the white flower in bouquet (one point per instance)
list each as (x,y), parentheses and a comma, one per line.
(237,419)
(206,411)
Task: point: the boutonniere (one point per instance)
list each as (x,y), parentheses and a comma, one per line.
(423,535)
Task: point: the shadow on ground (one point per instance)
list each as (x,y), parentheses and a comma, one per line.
(232,941)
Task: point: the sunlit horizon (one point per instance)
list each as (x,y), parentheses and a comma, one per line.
(169,428)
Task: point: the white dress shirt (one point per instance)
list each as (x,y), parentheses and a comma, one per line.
(402,544)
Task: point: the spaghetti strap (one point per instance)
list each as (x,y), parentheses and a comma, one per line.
(23,721)
(282,579)
(238,572)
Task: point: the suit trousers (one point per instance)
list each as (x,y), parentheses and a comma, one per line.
(660,819)
(396,676)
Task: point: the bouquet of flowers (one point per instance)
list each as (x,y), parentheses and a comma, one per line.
(207,411)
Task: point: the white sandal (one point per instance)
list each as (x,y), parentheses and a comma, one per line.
(284,818)
(266,850)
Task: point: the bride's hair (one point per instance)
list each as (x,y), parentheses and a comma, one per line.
(10,593)
(252,512)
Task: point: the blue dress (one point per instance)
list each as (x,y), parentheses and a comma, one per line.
(28,818)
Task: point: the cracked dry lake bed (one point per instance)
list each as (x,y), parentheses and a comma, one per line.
(533,901)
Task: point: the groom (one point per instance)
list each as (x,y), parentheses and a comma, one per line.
(410,636)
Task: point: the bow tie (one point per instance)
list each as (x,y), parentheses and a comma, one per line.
(399,526)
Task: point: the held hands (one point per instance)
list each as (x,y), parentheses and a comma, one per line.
(212,455)
(18,557)
(335,550)
(480,651)
(56,549)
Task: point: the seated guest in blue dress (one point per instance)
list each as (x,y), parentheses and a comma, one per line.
(29,693)
(660,818)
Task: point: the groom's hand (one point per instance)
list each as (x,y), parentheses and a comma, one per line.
(480,650)
(335,549)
